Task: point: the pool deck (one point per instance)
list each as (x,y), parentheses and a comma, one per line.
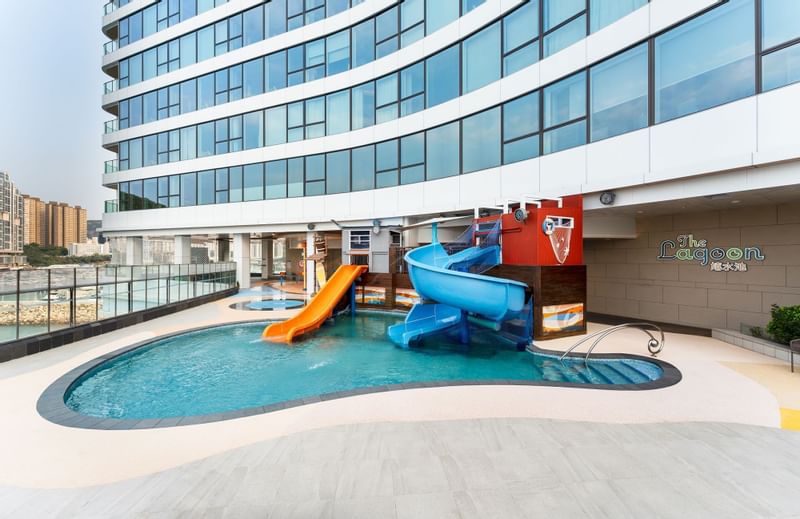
(714,437)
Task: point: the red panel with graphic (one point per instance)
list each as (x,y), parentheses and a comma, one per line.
(546,235)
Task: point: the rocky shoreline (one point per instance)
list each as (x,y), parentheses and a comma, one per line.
(35,314)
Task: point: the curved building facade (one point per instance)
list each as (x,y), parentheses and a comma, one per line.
(246,120)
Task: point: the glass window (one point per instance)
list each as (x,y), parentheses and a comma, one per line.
(565,100)
(363,49)
(253,182)
(150,107)
(188,145)
(335,7)
(363,106)
(135,153)
(565,137)
(276,179)
(781,67)
(558,11)
(364,168)
(315,117)
(253,130)
(295,169)
(605,13)
(205,138)
(520,127)
(386,98)
(442,151)
(276,125)
(150,149)
(188,50)
(338,53)
(337,176)
(205,43)
(315,175)
(222,186)
(469,5)
(565,36)
(275,71)
(520,29)
(135,69)
(619,94)
(412,158)
(481,58)
(412,82)
(235,182)
(205,91)
(206,194)
(705,62)
(254,77)
(275,17)
(780,22)
(442,77)
(188,96)
(150,194)
(338,112)
(440,13)
(386,161)
(254,25)
(188,189)
(481,146)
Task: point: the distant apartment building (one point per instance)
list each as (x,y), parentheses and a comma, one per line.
(11,222)
(54,224)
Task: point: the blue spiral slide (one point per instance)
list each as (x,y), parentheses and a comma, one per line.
(450,292)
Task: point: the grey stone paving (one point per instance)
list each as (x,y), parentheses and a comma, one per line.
(489,468)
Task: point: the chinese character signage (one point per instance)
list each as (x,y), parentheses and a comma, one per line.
(687,248)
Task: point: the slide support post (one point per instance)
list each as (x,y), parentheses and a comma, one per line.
(353,298)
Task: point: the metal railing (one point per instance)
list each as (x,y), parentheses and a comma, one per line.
(654,346)
(111,206)
(111,126)
(109,8)
(37,301)
(111,166)
(109,86)
(109,47)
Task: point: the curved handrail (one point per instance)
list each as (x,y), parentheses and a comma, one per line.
(654,346)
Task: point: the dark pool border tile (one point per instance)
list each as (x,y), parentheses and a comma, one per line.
(52,407)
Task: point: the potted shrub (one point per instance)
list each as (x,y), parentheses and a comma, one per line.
(785,323)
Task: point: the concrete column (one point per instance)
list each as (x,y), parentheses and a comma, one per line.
(311,275)
(223,249)
(241,255)
(266,258)
(183,250)
(134,253)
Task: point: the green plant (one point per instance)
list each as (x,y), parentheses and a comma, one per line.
(785,323)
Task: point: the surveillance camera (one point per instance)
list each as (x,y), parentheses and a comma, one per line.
(311,227)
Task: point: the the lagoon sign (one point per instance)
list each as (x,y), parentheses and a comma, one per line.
(687,248)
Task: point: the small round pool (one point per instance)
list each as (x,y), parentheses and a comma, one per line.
(268,305)
(226,369)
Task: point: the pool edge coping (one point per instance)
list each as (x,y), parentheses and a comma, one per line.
(52,407)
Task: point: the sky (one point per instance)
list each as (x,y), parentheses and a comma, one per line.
(51,122)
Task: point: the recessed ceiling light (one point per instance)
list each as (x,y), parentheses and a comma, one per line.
(735,201)
(639,212)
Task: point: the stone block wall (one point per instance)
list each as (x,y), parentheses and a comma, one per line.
(626,278)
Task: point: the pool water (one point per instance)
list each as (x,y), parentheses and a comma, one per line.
(229,367)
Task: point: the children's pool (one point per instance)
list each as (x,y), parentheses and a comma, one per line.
(229,368)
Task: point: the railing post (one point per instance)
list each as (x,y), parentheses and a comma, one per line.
(19,272)
(97,293)
(49,276)
(73,303)
(146,301)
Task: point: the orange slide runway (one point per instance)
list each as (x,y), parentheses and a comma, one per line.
(319,309)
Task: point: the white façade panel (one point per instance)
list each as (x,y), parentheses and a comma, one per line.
(618,35)
(362,204)
(293,210)
(481,98)
(386,200)
(520,178)
(520,82)
(563,173)
(619,161)
(338,204)
(442,194)
(779,124)
(664,13)
(713,140)
(480,187)
(411,198)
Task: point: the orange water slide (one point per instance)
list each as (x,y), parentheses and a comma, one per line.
(319,309)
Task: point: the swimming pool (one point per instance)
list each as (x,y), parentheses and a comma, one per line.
(227,369)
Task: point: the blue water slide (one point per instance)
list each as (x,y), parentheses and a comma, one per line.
(447,280)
